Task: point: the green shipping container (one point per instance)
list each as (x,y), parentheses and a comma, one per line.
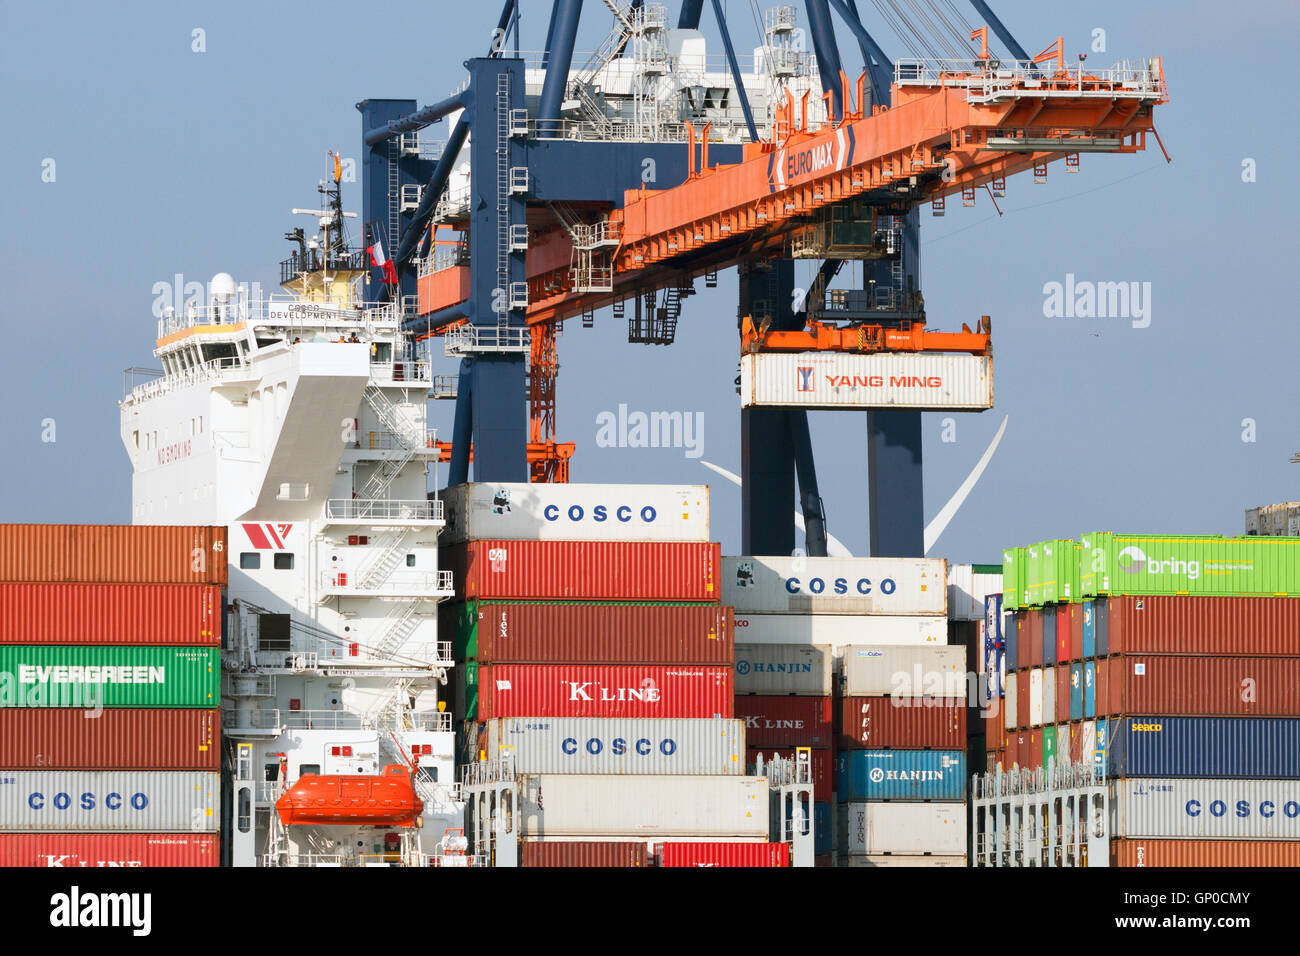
(1049,744)
(1034,574)
(1013,577)
(1204,565)
(1057,572)
(112,676)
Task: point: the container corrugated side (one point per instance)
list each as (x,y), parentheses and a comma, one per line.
(584,570)
(653,807)
(1168,807)
(1189,564)
(113,554)
(969,585)
(725,854)
(108,849)
(114,739)
(874,723)
(930,381)
(523,511)
(870,829)
(900,775)
(143,801)
(785,721)
(597,690)
(805,669)
(1011,703)
(1203,686)
(628,746)
(876,671)
(1205,853)
(1159,624)
(838,631)
(583,853)
(780,584)
(1224,747)
(111,614)
(54,675)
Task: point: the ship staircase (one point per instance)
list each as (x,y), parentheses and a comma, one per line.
(1055,816)
(491,793)
(790,807)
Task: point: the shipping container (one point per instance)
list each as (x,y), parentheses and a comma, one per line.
(584,570)
(1088,629)
(1062,698)
(900,775)
(815,585)
(113,554)
(113,739)
(1047,620)
(1013,577)
(822,841)
(592,745)
(1031,638)
(1205,853)
(1034,574)
(111,614)
(1076,692)
(588,633)
(840,630)
(725,854)
(910,723)
(1088,747)
(1054,578)
(52,675)
(901,860)
(1075,614)
(1090,688)
(1202,686)
(1049,740)
(1036,708)
(1075,747)
(1011,639)
(785,721)
(1156,624)
(143,801)
(1228,747)
(804,669)
(969,586)
(584,853)
(1011,703)
(823,768)
(653,807)
(1049,695)
(1024,695)
(1101,615)
(1062,633)
(876,671)
(1166,807)
(929,381)
(595,690)
(523,511)
(871,829)
(1189,564)
(108,849)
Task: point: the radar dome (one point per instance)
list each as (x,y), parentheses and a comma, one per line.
(222,286)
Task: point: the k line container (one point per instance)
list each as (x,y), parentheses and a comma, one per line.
(804,669)
(571,632)
(1205,853)
(584,853)
(813,585)
(1188,564)
(1205,809)
(877,723)
(143,801)
(584,570)
(116,739)
(574,512)
(823,768)
(595,690)
(876,671)
(650,807)
(629,746)
(1156,624)
(1225,747)
(111,676)
(930,381)
(725,854)
(787,721)
(1201,686)
(840,630)
(108,849)
(900,775)
(113,554)
(903,828)
(111,614)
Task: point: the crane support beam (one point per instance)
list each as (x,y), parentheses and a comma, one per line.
(689,18)
(895,496)
(1003,33)
(417,120)
(564,18)
(828,54)
(734,64)
(822,337)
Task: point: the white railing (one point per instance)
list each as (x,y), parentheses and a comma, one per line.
(285,311)
(989,78)
(364,509)
(480,338)
(395,441)
(444,386)
(397,584)
(432,721)
(417,371)
(230,367)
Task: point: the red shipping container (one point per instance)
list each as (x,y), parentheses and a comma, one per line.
(1203,686)
(1022,698)
(1076,632)
(1062,715)
(823,768)
(1062,612)
(788,721)
(109,849)
(113,554)
(921,723)
(725,854)
(584,570)
(145,738)
(177,614)
(1034,741)
(1205,853)
(1011,756)
(1076,742)
(603,690)
(1258,626)
(995,735)
(1034,622)
(1100,692)
(578,853)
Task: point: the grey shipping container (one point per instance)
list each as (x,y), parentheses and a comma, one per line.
(595,745)
(868,829)
(901,860)
(884,670)
(145,801)
(784,669)
(1202,808)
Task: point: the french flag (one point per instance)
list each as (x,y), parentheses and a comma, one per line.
(380,261)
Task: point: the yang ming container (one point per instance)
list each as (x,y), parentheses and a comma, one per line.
(900,775)
(840,630)
(803,669)
(725,854)
(903,828)
(876,723)
(785,721)
(1201,686)
(813,585)
(595,690)
(875,671)
(1167,807)
(110,614)
(584,853)
(1205,853)
(143,801)
(628,746)
(113,554)
(111,676)
(117,739)
(1155,624)
(1187,564)
(1225,747)
(929,381)
(108,849)
(584,570)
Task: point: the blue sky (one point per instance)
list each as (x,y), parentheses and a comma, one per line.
(170,161)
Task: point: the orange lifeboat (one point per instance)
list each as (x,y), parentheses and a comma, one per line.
(387,799)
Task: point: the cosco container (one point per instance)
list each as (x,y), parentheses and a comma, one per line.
(969,586)
(584,570)
(803,669)
(113,554)
(143,801)
(900,775)
(596,690)
(109,676)
(108,849)
(1157,624)
(876,671)
(598,745)
(525,511)
(905,828)
(1201,686)
(1228,747)
(110,614)
(583,853)
(1205,853)
(590,633)
(114,739)
(1168,807)
(929,381)
(808,585)
(1188,564)
(785,721)
(877,723)
(840,630)
(725,854)
(823,768)
(650,807)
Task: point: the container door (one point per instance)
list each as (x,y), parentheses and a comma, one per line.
(1009,703)
(1076,632)
(1101,607)
(1035,698)
(1049,745)
(1090,689)
(1033,639)
(1063,633)
(1089,630)
(1048,617)
(1076,691)
(1022,698)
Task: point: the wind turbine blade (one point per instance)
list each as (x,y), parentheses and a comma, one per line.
(940,521)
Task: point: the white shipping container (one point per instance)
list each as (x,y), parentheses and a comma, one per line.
(1088,742)
(912,828)
(1036,697)
(592,745)
(144,801)
(804,669)
(802,585)
(840,630)
(934,381)
(874,671)
(1009,706)
(565,512)
(1048,715)
(967,591)
(643,807)
(1252,521)
(1177,809)
(902,860)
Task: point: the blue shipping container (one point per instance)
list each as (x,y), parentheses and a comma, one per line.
(1089,631)
(1048,616)
(822,835)
(1101,623)
(1089,689)
(900,775)
(993,618)
(1010,639)
(1076,691)
(1226,747)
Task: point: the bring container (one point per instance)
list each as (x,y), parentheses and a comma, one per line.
(1047,620)
(878,723)
(596,690)
(113,554)
(900,775)
(108,849)
(1013,577)
(1257,626)
(1227,747)
(1076,692)
(143,801)
(1205,853)
(803,669)
(1011,703)
(583,853)
(785,721)
(923,381)
(52,675)
(584,570)
(725,854)
(595,745)
(1166,807)
(1036,693)
(1202,686)
(823,768)
(187,614)
(115,739)
(868,829)
(814,585)
(840,630)
(1189,564)
(876,671)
